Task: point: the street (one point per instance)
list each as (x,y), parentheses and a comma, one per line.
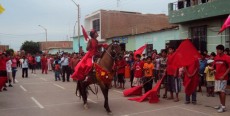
(40,95)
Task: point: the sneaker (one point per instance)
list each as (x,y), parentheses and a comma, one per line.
(221,110)
(194,102)
(187,102)
(217,107)
(4,89)
(10,85)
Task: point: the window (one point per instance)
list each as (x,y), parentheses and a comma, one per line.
(96,25)
(199,37)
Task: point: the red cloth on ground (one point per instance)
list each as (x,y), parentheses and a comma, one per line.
(151,95)
(133,91)
(221,64)
(85,65)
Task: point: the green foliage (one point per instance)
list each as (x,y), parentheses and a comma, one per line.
(10,52)
(31,47)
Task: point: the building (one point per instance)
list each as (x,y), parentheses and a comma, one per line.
(83,44)
(201,20)
(132,29)
(3,48)
(56,46)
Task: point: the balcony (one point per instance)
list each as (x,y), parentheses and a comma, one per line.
(188,10)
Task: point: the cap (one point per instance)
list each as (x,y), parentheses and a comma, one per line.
(210,61)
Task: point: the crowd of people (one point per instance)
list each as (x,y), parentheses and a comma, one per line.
(210,71)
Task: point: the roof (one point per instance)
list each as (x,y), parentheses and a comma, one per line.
(56,44)
(121,23)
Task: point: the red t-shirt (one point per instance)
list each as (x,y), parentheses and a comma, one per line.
(3,63)
(44,60)
(221,64)
(171,69)
(57,67)
(138,69)
(122,64)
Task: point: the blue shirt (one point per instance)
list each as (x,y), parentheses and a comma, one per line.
(38,58)
(203,64)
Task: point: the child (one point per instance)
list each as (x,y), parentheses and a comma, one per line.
(57,71)
(210,78)
(148,75)
(120,66)
(138,68)
(177,83)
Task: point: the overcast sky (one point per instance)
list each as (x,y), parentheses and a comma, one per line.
(21,18)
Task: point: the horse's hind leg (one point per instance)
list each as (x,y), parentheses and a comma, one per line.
(105,91)
(83,93)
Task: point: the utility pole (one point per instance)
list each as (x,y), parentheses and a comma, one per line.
(46,34)
(78,21)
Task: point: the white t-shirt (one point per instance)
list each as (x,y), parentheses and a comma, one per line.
(25,63)
(8,66)
(64,61)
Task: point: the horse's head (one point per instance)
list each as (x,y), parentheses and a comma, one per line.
(114,49)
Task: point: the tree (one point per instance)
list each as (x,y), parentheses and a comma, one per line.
(10,52)
(31,47)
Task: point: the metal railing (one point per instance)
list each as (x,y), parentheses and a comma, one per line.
(188,3)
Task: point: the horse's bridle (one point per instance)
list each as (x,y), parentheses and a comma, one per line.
(106,51)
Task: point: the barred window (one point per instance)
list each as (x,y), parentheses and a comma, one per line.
(96,25)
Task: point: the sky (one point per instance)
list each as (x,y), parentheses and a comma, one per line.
(21,18)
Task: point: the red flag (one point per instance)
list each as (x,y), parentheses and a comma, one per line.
(84,33)
(225,25)
(152,94)
(139,50)
(133,91)
(185,54)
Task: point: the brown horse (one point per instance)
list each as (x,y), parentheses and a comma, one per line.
(106,62)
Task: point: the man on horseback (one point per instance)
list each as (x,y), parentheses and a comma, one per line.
(85,65)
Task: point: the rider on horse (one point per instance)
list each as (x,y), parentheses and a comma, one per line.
(86,64)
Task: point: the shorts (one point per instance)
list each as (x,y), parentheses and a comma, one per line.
(210,83)
(170,83)
(9,76)
(220,85)
(137,81)
(121,78)
(176,85)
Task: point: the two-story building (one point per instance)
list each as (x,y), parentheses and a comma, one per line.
(132,29)
(201,20)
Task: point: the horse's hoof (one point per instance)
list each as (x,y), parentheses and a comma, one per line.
(86,106)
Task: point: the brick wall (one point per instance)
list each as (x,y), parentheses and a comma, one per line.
(3,47)
(118,23)
(56,44)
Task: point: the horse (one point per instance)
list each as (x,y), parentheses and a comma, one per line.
(105,64)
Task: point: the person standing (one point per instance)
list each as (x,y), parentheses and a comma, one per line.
(148,74)
(191,81)
(138,70)
(33,65)
(203,64)
(25,66)
(14,68)
(44,64)
(74,61)
(171,71)
(162,71)
(120,67)
(38,61)
(221,65)
(65,67)
(9,71)
(210,78)
(57,71)
(3,72)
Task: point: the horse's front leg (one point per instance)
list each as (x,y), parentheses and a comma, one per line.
(83,93)
(105,91)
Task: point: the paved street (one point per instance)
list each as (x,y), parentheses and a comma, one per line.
(40,95)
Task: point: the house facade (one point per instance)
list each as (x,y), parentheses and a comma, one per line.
(56,46)
(201,21)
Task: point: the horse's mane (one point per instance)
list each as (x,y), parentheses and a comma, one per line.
(110,45)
